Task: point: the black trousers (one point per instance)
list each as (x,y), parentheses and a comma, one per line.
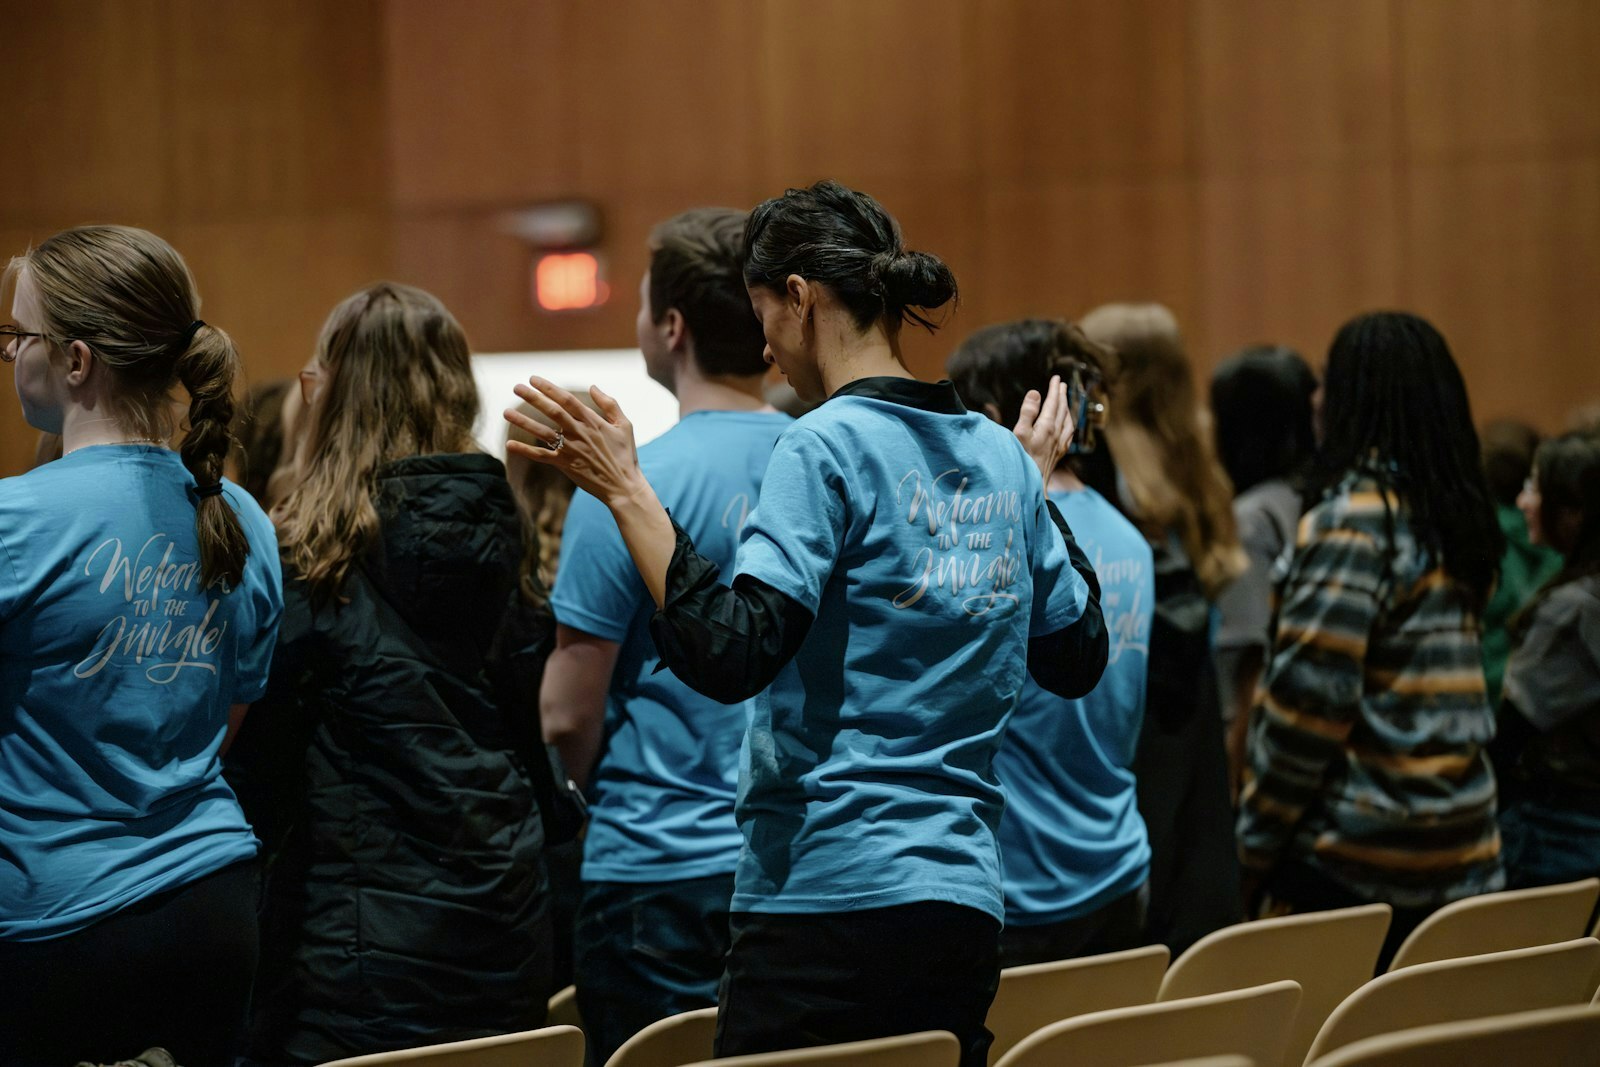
(173,970)
(795,981)
(1115,927)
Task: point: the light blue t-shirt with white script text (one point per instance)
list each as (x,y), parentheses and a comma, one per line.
(1071,837)
(117,670)
(662,796)
(919,539)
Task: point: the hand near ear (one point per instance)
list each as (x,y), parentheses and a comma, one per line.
(1045,427)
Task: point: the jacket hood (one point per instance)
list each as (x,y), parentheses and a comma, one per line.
(450,540)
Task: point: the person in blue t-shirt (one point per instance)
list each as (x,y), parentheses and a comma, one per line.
(900,578)
(1076,855)
(140,595)
(660,761)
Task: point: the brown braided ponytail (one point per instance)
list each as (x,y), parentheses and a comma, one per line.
(207,369)
(129,296)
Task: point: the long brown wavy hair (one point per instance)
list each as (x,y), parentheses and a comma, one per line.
(395,381)
(1165,455)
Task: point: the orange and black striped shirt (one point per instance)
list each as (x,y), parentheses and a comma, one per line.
(1367,744)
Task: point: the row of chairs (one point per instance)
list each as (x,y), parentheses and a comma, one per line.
(1553,1037)
(1287,991)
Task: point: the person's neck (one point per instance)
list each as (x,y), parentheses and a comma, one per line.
(82,427)
(731,392)
(1062,480)
(874,354)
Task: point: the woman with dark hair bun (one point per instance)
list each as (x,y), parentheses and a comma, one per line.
(1547,752)
(1368,774)
(901,575)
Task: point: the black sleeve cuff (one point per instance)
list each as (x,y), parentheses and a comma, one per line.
(724,643)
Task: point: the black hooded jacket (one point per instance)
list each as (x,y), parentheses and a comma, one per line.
(386,774)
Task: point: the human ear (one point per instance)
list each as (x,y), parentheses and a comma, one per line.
(80,364)
(802,296)
(674,330)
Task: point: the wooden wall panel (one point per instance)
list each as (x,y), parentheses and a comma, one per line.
(1292,84)
(480,109)
(660,108)
(1486,78)
(1286,258)
(276,108)
(876,90)
(1266,168)
(1080,90)
(1506,260)
(271,283)
(83,114)
(1061,249)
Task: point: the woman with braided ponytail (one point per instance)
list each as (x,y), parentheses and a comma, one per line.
(139,604)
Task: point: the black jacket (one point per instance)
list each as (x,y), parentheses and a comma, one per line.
(386,774)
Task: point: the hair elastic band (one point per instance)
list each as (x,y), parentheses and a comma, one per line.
(188,336)
(203,491)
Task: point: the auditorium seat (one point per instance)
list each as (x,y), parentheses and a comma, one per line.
(552,1046)
(1032,997)
(933,1049)
(1329,953)
(670,1042)
(1458,990)
(1551,1037)
(1497,922)
(1255,1023)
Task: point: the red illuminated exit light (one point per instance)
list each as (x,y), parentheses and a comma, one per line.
(568,281)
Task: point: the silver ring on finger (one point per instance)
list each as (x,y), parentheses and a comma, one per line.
(560,442)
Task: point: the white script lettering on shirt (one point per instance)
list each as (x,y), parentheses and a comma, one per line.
(1128,625)
(963,530)
(155,593)
(737,511)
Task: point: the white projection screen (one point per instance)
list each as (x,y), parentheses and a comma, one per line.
(620,372)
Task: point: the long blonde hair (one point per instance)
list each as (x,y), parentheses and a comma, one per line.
(543,495)
(396,382)
(129,296)
(1162,451)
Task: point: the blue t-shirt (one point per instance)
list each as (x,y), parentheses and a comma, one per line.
(117,670)
(661,801)
(919,539)
(1071,837)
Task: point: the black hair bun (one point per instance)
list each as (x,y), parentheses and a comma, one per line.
(912,279)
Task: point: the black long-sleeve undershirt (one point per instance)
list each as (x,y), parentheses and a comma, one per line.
(730,643)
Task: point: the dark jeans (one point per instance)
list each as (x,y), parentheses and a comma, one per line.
(1117,926)
(646,951)
(173,970)
(1296,888)
(1543,844)
(796,981)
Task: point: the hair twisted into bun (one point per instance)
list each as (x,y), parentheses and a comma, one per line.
(848,242)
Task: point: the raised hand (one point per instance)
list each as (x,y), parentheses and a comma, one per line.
(593,448)
(1045,426)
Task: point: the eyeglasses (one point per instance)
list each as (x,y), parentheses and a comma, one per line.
(13,334)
